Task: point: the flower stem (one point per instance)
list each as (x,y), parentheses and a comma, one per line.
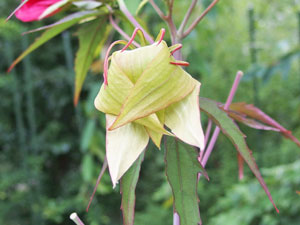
(194,24)
(117,28)
(226,107)
(126,12)
(157,9)
(187,17)
(104,167)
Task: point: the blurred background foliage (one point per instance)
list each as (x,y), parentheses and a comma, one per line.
(51,152)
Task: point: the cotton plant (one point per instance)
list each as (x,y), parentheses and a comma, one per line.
(146,95)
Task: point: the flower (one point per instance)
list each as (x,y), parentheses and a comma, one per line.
(33,10)
(145,90)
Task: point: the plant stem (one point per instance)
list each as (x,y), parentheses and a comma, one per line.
(226,107)
(187,17)
(194,24)
(157,9)
(126,12)
(76,219)
(119,29)
(206,137)
(169,20)
(104,167)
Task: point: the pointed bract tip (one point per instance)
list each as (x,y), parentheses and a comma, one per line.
(180,63)
(132,38)
(176,49)
(75,100)
(162,35)
(10,68)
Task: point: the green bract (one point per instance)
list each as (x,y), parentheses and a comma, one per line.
(145,94)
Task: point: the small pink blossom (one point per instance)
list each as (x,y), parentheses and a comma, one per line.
(33,9)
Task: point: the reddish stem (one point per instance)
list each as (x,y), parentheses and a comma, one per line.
(180,63)
(104,167)
(163,32)
(226,107)
(131,39)
(117,28)
(176,49)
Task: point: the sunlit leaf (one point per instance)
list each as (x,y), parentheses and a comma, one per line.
(47,35)
(141,5)
(91,36)
(237,138)
(182,168)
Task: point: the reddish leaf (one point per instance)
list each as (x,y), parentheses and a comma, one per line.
(231,130)
(256,113)
(250,122)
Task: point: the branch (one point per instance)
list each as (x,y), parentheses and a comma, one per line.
(170,5)
(157,9)
(187,17)
(117,28)
(194,24)
(217,130)
(125,11)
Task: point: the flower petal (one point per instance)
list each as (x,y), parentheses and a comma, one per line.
(123,147)
(183,118)
(160,85)
(33,9)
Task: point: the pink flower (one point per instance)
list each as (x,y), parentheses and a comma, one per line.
(33,9)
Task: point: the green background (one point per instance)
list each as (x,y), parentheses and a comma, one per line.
(51,152)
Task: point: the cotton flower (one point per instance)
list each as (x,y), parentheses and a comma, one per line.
(144,91)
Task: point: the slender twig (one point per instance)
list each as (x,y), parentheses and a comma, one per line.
(206,137)
(157,9)
(217,130)
(207,133)
(170,5)
(76,219)
(104,167)
(126,12)
(187,17)
(119,29)
(194,24)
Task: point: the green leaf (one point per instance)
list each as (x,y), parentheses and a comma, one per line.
(182,168)
(92,36)
(141,5)
(51,33)
(237,138)
(128,185)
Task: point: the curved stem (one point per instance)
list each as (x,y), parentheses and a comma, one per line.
(194,24)
(226,107)
(157,9)
(119,29)
(126,12)
(104,167)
